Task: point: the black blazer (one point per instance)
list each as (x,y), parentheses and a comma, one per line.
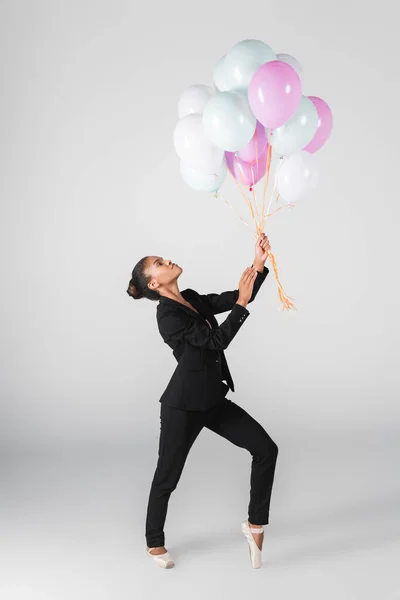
(198,343)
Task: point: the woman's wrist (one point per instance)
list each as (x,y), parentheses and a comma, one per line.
(259,265)
(242,302)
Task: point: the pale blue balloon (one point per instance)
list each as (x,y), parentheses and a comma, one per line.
(219,77)
(243,60)
(228,120)
(203,182)
(194,98)
(193,146)
(292,61)
(298,131)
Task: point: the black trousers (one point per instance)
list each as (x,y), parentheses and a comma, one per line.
(179,429)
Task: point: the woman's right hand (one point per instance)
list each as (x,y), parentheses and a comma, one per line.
(246,285)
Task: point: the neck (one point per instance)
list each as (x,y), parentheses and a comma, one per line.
(173,293)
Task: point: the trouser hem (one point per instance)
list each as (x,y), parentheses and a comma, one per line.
(254,520)
(155,543)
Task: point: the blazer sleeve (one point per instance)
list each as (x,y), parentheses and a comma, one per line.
(219,303)
(178,327)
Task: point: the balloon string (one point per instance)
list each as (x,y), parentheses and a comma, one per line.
(216,195)
(276,210)
(283,297)
(285,300)
(253,190)
(274,186)
(244,196)
(253,178)
(255,198)
(266,175)
(248,201)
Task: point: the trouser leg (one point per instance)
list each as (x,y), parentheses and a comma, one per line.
(178,431)
(233,423)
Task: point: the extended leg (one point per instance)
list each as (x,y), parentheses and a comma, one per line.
(179,430)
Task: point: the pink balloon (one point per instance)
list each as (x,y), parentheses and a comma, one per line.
(256,145)
(324,125)
(274,93)
(247,173)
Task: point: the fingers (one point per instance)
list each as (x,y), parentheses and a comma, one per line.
(264,242)
(247,282)
(249,273)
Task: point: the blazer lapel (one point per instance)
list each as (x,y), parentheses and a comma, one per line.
(195,301)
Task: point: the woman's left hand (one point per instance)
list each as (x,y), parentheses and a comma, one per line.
(262,248)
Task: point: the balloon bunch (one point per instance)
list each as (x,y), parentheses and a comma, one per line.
(255,112)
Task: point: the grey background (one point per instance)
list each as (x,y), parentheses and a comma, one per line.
(90,183)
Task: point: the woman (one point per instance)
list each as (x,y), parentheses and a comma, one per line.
(195,395)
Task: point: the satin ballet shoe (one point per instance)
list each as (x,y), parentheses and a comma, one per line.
(255,552)
(165,561)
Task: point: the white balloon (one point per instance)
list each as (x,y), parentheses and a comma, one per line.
(292,61)
(194,147)
(219,76)
(243,60)
(297,175)
(203,182)
(228,120)
(194,99)
(298,131)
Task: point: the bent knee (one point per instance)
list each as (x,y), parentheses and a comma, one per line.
(267,449)
(271,449)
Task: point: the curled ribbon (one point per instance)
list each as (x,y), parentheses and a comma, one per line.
(259,223)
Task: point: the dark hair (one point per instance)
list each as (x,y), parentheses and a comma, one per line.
(138,287)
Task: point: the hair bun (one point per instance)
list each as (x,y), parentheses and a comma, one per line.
(132,291)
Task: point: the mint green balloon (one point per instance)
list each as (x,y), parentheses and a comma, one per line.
(228,121)
(219,77)
(203,182)
(298,131)
(243,60)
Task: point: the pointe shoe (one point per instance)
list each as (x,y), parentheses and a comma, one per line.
(165,561)
(255,552)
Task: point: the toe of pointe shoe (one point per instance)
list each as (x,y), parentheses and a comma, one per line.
(254,550)
(165,561)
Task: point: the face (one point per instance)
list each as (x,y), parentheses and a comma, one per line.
(162,271)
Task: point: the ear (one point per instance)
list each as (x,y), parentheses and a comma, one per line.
(152,285)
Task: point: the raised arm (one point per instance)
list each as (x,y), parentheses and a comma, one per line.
(177,326)
(219,303)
